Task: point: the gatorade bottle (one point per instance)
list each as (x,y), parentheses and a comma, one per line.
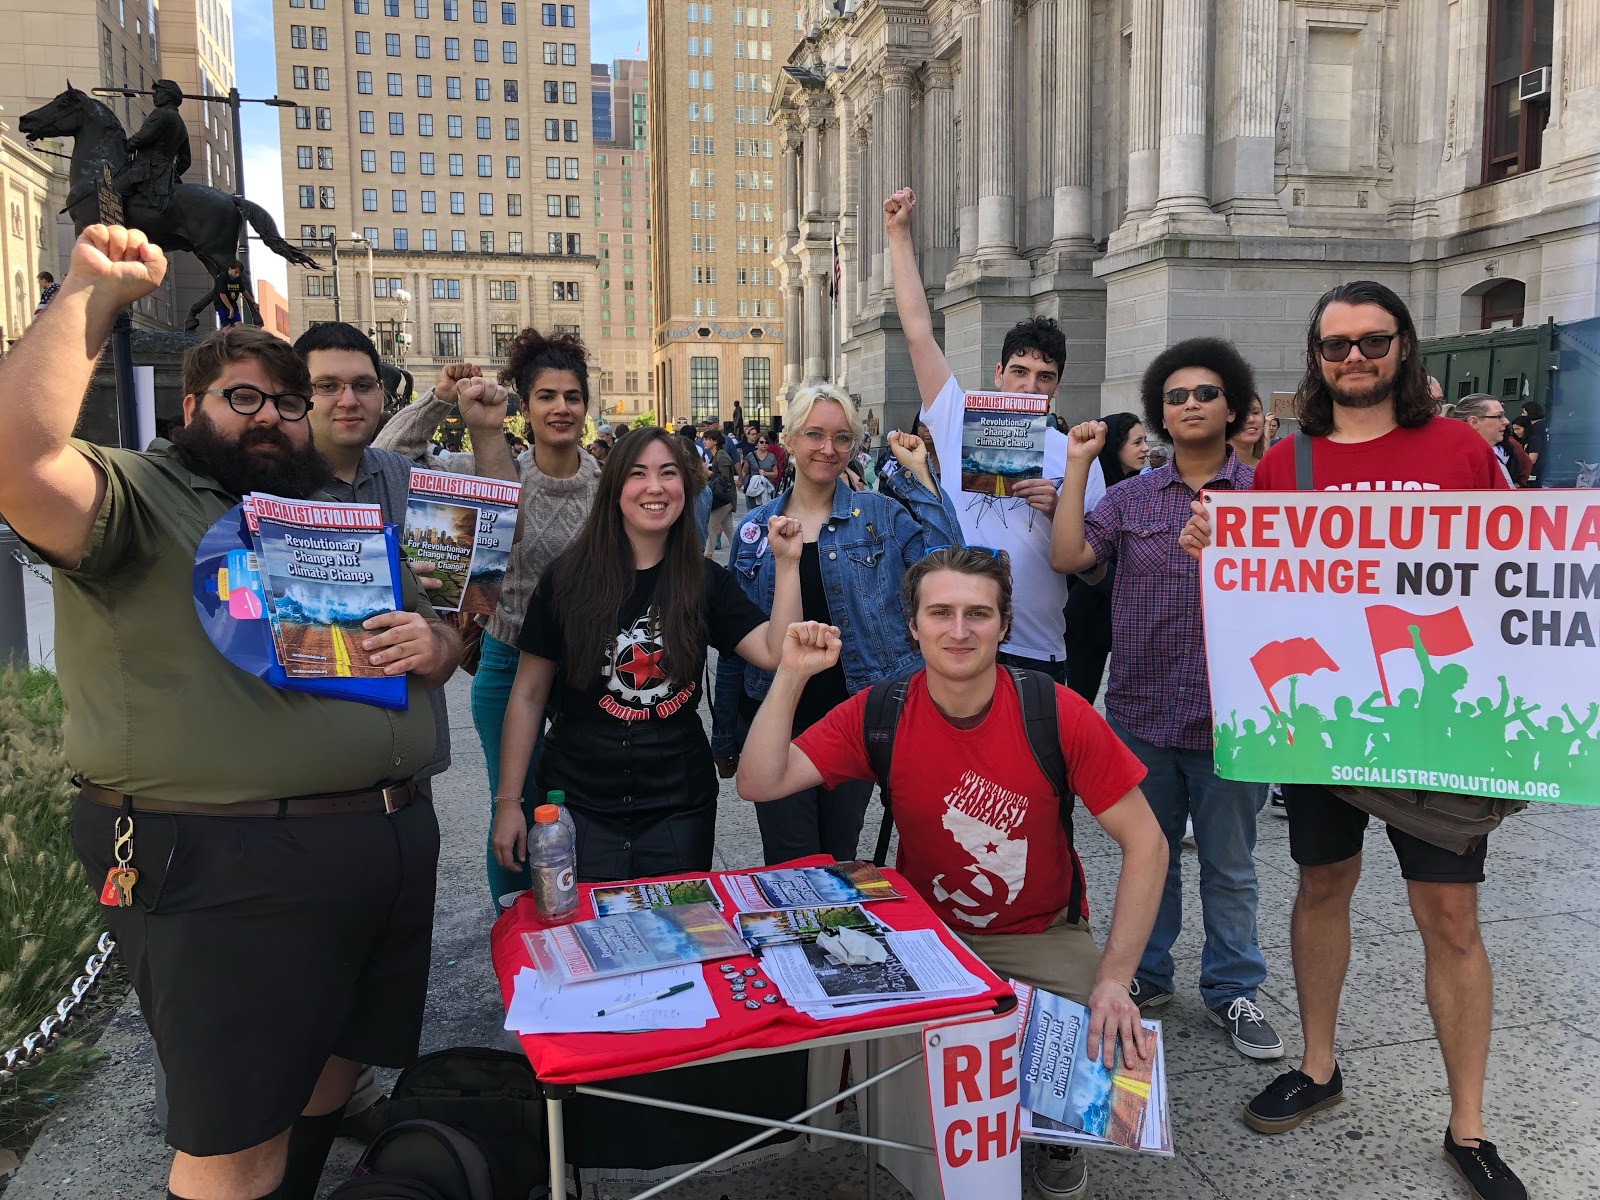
(553,864)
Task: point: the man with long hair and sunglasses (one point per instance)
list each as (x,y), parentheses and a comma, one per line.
(1365,405)
(1200,393)
(264,860)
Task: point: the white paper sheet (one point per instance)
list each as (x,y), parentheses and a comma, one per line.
(540,1006)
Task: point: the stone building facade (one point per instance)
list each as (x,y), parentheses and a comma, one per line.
(28,236)
(1150,170)
(621,202)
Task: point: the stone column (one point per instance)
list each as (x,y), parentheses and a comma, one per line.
(1144,108)
(967,150)
(997,205)
(1185,92)
(816,329)
(792,331)
(938,206)
(1043,68)
(898,79)
(1578,78)
(813,164)
(869,209)
(1247,124)
(789,149)
(1071,178)
(876,175)
(848,201)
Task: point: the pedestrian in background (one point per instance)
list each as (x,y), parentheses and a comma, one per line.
(721,488)
(1251,442)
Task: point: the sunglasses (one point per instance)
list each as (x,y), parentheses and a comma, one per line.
(1205,393)
(991,551)
(1373,347)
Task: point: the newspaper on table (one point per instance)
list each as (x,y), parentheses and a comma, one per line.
(540,1005)
(810,887)
(1068,1095)
(1002,441)
(784,926)
(642,897)
(325,569)
(629,942)
(918,966)
(463,525)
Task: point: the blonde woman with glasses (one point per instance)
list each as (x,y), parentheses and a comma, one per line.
(857,546)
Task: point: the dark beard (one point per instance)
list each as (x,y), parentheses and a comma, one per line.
(297,474)
(1380,392)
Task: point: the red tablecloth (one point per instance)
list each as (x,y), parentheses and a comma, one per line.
(591,1057)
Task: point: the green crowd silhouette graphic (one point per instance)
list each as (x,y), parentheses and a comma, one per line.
(1435,728)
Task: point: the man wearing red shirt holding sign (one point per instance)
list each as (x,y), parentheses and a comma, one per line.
(982,834)
(1365,406)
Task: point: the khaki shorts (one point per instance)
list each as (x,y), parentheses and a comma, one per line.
(1062,958)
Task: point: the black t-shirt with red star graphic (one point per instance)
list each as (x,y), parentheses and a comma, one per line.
(633,687)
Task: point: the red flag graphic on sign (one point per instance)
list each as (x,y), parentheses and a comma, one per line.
(1389,627)
(1276,661)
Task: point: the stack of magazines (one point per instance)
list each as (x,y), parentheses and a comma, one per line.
(463,525)
(1068,1095)
(916,966)
(631,942)
(810,887)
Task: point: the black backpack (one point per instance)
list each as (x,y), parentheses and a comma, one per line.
(1036,694)
(721,490)
(420,1160)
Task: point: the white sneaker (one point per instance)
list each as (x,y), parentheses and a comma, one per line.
(1188,832)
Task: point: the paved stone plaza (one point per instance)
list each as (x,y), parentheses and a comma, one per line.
(1541,908)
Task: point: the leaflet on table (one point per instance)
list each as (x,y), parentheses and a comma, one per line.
(1002,441)
(783,926)
(642,897)
(919,967)
(809,887)
(1069,1095)
(463,525)
(540,1005)
(633,941)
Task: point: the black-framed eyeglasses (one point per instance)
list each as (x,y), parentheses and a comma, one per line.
(1205,393)
(1373,347)
(247,401)
(333,388)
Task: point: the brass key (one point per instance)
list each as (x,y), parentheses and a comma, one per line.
(123,879)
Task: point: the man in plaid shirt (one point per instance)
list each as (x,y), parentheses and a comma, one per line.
(1159,699)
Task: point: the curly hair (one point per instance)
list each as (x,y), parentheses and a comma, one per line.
(533,352)
(1313,400)
(1040,334)
(1212,354)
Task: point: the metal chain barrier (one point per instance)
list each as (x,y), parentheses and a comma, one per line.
(33,1047)
(26,564)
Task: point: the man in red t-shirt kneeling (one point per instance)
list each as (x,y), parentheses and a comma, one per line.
(982,837)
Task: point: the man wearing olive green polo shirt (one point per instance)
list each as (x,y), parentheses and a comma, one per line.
(280,923)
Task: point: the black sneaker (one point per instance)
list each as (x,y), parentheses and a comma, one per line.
(1481,1166)
(1290,1099)
(1279,808)
(1147,995)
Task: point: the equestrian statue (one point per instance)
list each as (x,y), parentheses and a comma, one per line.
(147,171)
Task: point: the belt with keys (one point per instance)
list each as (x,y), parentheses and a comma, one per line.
(118,889)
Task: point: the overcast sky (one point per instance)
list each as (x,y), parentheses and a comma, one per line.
(616,31)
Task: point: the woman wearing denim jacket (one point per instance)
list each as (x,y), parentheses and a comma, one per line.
(857,546)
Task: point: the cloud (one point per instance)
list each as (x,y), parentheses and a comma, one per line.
(263,183)
(617,31)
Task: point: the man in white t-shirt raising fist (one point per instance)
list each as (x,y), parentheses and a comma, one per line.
(1031,361)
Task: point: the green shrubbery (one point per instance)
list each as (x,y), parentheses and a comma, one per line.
(49,919)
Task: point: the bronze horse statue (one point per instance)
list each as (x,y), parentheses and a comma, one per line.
(202,220)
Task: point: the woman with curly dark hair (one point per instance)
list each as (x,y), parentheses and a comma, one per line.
(559,479)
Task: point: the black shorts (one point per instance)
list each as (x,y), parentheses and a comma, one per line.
(1323,830)
(260,947)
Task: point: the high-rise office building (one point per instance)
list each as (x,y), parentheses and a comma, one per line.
(443,148)
(714,207)
(622,231)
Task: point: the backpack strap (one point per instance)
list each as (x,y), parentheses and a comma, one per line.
(880,721)
(1036,694)
(1302,463)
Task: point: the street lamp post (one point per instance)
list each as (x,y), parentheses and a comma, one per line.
(333,247)
(233,100)
(402,339)
(372,287)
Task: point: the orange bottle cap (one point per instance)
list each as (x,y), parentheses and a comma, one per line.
(547,814)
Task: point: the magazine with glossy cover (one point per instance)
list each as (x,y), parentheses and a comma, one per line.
(324,569)
(1067,1088)
(642,897)
(810,887)
(632,941)
(784,926)
(463,525)
(1002,441)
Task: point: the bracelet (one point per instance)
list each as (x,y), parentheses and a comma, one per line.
(504,799)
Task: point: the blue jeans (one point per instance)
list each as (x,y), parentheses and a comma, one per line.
(491,691)
(1184,784)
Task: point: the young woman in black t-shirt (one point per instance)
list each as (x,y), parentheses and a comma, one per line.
(618,630)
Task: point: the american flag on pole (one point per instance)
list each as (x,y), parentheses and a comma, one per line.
(833,287)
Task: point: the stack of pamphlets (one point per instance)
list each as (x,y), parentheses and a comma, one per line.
(642,897)
(810,887)
(463,525)
(787,926)
(1069,1096)
(541,1005)
(629,942)
(917,966)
